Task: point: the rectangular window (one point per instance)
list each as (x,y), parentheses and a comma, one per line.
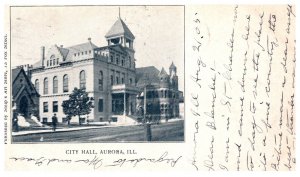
(55,106)
(57,61)
(45,120)
(45,107)
(53,61)
(47,62)
(111,59)
(100,105)
(111,79)
(100,85)
(50,62)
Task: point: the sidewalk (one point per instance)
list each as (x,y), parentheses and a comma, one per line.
(66,129)
(57,130)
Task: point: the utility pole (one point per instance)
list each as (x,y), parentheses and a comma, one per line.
(147,125)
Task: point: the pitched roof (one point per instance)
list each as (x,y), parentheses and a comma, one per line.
(64,52)
(119,28)
(163,72)
(69,51)
(147,74)
(15,72)
(83,47)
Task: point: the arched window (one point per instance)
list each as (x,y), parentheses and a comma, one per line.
(82,79)
(55,84)
(46,85)
(65,83)
(37,85)
(100,81)
(52,59)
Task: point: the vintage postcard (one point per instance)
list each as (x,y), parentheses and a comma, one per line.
(149,87)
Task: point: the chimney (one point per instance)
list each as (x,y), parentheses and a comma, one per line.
(89,39)
(43,54)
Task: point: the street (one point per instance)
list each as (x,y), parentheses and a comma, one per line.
(172,131)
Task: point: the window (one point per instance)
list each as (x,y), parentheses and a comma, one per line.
(57,61)
(37,85)
(81,53)
(45,120)
(90,51)
(100,81)
(122,62)
(75,54)
(100,105)
(82,79)
(55,106)
(55,84)
(117,60)
(47,62)
(86,52)
(65,83)
(111,79)
(111,59)
(46,85)
(52,58)
(122,80)
(130,81)
(45,106)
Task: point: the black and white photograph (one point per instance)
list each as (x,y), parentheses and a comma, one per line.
(97,74)
(145,87)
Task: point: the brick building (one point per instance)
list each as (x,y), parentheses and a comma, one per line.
(107,73)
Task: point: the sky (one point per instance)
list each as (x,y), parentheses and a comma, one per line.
(158,30)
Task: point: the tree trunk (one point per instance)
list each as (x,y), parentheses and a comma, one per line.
(79,119)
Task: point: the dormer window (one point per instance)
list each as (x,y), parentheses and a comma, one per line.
(52,59)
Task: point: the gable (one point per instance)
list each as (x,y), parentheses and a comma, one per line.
(22,80)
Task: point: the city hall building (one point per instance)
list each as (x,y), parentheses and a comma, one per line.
(108,74)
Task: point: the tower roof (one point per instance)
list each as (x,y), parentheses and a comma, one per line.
(172,66)
(119,28)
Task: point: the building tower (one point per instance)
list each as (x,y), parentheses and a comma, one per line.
(164,79)
(173,76)
(119,34)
